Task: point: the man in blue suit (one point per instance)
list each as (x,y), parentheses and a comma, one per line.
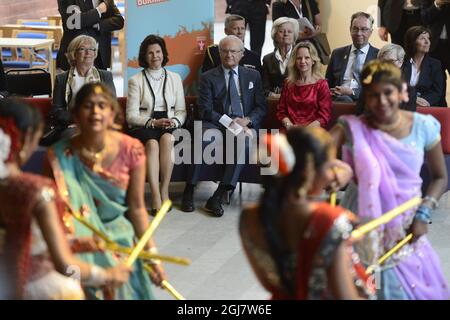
(228,90)
(346,63)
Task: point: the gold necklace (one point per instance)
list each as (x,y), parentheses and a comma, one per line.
(391,126)
(95,157)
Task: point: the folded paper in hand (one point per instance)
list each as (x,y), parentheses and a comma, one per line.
(228,123)
(304,23)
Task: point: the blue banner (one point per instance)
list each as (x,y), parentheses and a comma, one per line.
(187,27)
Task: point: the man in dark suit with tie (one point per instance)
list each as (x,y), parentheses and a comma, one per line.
(96,18)
(346,63)
(436,15)
(234,25)
(227,91)
(396,17)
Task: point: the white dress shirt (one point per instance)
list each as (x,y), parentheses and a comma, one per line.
(283,63)
(156,79)
(349,80)
(415,74)
(78,82)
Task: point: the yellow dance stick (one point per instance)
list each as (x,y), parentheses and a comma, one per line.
(394,249)
(113,246)
(147,255)
(166,285)
(333,199)
(385,218)
(148,233)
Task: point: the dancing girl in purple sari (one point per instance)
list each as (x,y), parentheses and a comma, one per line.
(386,148)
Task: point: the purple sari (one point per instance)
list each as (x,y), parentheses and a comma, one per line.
(388,174)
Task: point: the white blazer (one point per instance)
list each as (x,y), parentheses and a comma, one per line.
(140,100)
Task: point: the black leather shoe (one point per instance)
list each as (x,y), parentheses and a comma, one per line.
(214,205)
(187,203)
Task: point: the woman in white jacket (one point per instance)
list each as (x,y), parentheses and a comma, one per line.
(155,108)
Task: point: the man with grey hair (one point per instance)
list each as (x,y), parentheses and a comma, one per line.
(234,25)
(227,91)
(347,62)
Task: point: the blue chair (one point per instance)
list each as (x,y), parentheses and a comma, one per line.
(27,63)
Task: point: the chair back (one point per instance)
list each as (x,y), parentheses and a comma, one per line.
(29,82)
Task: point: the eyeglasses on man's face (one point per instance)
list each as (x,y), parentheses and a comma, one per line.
(233,52)
(356,30)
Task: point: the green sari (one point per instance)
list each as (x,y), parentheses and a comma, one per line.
(103,203)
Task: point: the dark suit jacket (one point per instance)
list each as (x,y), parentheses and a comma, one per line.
(60,114)
(338,64)
(212,96)
(431,80)
(281,9)
(271,74)
(391,12)
(111,20)
(435,19)
(243,6)
(212,59)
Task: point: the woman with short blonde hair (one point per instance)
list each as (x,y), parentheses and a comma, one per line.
(81,54)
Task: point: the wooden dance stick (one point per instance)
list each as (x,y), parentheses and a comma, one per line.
(147,255)
(148,233)
(394,249)
(385,218)
(333,199)
(114,246)
(166,285)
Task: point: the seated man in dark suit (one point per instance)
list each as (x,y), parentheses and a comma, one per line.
(234,25)
(346,63)
(228,90)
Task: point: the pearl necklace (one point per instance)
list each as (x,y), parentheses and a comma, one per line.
(157,78)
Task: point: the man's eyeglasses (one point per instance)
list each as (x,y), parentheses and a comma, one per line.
(357,30)
(86,50)
(233,52)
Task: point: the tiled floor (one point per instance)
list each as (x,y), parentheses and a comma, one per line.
(219,269)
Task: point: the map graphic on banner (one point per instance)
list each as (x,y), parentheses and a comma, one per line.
(185,25)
